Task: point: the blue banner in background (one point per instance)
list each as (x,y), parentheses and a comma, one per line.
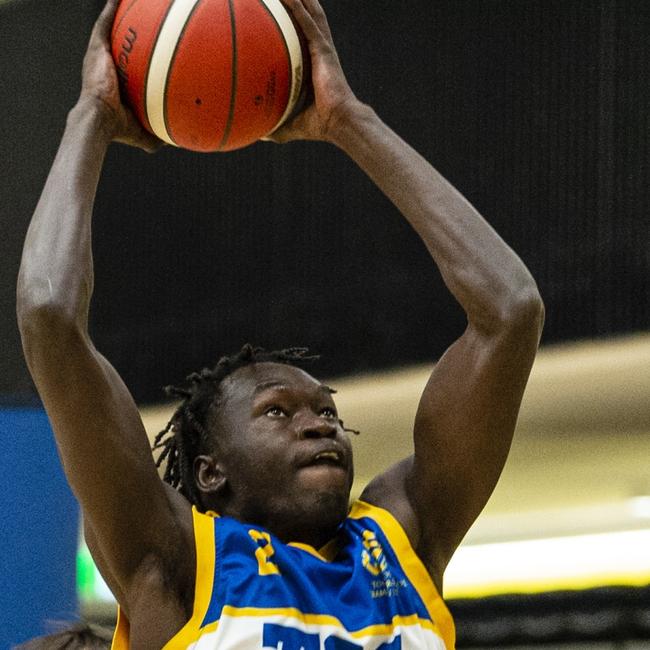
(39,528)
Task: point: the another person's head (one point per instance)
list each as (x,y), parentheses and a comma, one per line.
(259,439)
(82,636)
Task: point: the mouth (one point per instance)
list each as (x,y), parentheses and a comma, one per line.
(328,469)
(327,457)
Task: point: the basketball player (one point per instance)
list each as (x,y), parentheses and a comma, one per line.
(258,548)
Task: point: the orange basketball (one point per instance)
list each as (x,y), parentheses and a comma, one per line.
(208,75)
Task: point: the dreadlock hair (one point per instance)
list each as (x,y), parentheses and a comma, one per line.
(82,636)
(185,435)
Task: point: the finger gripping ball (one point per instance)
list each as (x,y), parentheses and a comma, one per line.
(208,75)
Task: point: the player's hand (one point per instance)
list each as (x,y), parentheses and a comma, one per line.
(100,84)
(332,96)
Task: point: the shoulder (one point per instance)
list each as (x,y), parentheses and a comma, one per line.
(389,492)
(388,496)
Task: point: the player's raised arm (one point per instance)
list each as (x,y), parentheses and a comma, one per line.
(469,408)
(99,433)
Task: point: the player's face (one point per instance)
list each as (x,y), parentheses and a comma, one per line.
(286,457)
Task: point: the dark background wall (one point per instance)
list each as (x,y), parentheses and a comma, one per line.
(537,110)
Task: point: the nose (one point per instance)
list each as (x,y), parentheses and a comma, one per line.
(318,427)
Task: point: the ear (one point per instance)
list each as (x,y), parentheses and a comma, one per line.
(209,475)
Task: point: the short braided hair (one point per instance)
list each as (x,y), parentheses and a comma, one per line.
(185,436)
(81,636)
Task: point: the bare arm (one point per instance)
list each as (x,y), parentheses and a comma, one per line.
(468,411)
(99,433)
(467,414)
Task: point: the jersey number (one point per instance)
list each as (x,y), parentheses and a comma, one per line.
(279,637)
(264,552)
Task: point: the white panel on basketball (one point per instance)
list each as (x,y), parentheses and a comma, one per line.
(295,54)
(161,59)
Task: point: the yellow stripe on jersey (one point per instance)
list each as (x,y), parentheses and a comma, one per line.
(326,553)
(204,544)
(308,549)
(326,619)
(205,558)
(121,634)
(321,619)
(412,567)
(313,619)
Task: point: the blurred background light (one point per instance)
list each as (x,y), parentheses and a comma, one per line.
(536,565)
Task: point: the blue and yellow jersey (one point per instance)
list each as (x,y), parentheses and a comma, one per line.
(366,589)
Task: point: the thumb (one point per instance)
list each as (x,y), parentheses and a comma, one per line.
(136,135)
(146,142)
(279,136)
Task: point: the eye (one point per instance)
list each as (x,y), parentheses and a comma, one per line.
(275,411)
(328,412)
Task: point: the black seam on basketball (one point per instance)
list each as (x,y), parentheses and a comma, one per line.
(233,84)
(171,67)
(151,53)
(124,15)
(277,24)
(284,42)
(289,62)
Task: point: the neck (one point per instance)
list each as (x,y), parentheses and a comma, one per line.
(315,524)
(314,537)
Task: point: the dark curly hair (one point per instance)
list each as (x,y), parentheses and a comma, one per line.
(81,636)
(186,435)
